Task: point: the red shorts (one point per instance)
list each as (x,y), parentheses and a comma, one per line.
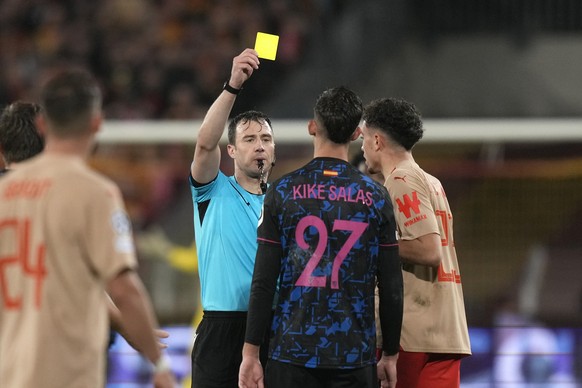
(428,370)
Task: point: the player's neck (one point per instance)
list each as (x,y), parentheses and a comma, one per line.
(330,150)
(71,147)
(13,166)
(393,159)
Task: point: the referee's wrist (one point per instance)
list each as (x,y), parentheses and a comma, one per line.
(231,89)
(162,365)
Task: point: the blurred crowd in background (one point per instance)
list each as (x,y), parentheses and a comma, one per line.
(167,59)
(156,59)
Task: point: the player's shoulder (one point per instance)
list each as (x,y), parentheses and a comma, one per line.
(406,173)
(370,183)
(99,179)
(291,176)
(83,179)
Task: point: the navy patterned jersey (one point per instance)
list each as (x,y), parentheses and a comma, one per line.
(331,221)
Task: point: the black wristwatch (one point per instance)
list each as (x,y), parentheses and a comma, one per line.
(230,89)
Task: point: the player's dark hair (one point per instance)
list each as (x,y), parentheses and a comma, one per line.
(243,118)
(399,119)
(19,137)
(69,101)
(338,111)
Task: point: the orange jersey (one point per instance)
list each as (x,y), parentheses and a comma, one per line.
(64,234)
(434,309)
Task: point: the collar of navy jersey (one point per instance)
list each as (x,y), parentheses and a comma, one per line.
(342,164)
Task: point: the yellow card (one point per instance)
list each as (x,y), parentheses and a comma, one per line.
(266,45)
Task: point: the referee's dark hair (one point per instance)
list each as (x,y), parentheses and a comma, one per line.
(244,118)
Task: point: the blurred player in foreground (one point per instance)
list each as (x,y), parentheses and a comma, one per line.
(434,332)
(327,234)
(64,240)
(21,140)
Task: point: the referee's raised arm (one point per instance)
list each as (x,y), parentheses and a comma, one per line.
(206,161)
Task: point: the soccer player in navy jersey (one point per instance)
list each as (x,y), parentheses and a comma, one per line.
(327,236)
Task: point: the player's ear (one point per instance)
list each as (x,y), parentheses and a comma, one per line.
(312,127)
(357,133)
(40,123)
(96,122)
(378,141)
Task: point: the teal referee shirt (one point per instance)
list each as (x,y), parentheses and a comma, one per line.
(225,227)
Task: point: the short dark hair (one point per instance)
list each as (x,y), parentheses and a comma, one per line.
(339,111)
(398,118)
(69,100)
(245,117)
(19,137)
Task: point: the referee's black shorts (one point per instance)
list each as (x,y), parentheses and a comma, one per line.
(217,351)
